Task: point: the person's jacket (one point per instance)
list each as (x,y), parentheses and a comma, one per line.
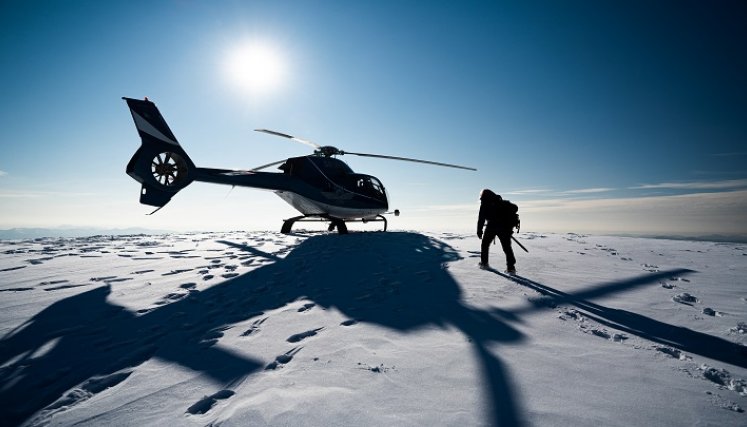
(496,212)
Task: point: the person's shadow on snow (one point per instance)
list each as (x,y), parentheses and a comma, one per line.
(395,280)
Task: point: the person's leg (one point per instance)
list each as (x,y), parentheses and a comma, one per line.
(508,250)
(487,238)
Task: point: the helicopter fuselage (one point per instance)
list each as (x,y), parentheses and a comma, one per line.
(313,185)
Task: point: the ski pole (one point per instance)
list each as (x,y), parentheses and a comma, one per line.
(519,243)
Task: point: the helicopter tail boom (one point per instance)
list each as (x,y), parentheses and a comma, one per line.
(160,164)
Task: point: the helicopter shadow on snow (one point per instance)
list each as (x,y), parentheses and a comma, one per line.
(84,344)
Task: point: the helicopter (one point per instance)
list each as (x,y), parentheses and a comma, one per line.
(320,186)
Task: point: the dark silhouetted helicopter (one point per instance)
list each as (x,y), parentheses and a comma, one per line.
(319,185)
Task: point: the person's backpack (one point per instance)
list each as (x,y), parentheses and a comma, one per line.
(501,214)
(508,214)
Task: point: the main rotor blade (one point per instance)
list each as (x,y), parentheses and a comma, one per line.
(411,160)
(285,135)
(266,166)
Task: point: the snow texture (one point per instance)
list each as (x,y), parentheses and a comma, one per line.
(395,328)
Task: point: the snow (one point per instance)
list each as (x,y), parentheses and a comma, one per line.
(395,328)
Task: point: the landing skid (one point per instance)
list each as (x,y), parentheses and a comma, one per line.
(334,222)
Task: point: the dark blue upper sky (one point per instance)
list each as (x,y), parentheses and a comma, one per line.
(618,99)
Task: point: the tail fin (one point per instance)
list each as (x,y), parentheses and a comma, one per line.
(160,164)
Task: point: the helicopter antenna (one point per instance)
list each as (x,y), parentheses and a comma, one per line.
(285,135)
(230,191)
(448,165)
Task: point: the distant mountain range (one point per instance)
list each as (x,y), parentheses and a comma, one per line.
(33,233)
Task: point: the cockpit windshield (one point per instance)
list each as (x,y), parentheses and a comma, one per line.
(368,186)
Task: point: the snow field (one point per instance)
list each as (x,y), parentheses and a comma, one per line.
(399,328)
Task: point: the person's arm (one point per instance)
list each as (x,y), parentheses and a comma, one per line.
(480,221)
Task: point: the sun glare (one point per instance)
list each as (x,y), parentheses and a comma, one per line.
(256,67)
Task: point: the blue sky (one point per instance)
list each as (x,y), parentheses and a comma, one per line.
(625,117)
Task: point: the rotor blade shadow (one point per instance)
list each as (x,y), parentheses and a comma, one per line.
(681,338)
(505,407)
(251,250)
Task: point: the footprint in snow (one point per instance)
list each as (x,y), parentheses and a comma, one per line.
(666,285)
(653,268)
(102,279)
(172,272)
(685,298)
(53,282)
(376,369)
(349,322)
(672,352)
(303,335)
(174,296)
(57,288)
(741,328)
(13,268)
(255,327)
(713,313)
(38,261)
(121,279)
(723,378)
(283,359)
(207,402)
(601,333)
(211,338)
(306,307)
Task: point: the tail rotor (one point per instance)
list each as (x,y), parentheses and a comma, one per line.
(169,169)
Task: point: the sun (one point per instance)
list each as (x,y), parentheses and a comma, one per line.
(256,67)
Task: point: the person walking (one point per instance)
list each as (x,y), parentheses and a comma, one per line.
(501,217)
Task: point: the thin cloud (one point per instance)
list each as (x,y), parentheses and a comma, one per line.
(589,190)
(702,185)
(3,173)
(529,191)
